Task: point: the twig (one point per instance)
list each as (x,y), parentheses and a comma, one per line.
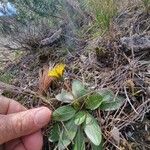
(12,88)
(129,100)
(133,117)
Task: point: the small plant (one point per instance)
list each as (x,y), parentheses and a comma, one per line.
(74,122)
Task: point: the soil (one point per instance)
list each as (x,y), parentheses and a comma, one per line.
(112,69)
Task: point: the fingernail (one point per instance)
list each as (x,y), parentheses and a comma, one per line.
(42,116)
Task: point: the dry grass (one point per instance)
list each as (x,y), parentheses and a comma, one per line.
(128,80)
(126,74)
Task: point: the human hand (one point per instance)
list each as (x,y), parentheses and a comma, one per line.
(19,127)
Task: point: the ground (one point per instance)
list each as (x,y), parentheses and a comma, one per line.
(118,68)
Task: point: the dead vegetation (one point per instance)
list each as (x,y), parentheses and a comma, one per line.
(103,63)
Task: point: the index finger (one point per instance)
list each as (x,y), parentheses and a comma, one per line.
(8,106)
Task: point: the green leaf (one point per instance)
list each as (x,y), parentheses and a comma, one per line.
(64,113)
(79,141)
(80,117)
(92,130)
(54,133)
(93,101)
(99,147)
(89,119)
(110,101)
(65,97)
(107,95)
(68,134)
(78,89)
(109,106)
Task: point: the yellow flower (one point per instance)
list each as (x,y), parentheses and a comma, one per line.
(57,71)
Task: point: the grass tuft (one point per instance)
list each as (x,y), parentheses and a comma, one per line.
(103,11)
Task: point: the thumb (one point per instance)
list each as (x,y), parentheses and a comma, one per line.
(16,125)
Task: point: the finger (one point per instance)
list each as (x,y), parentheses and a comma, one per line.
(13,144)
(23,123)
(20,146)
(8,106)
(29,142)
(33,141)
